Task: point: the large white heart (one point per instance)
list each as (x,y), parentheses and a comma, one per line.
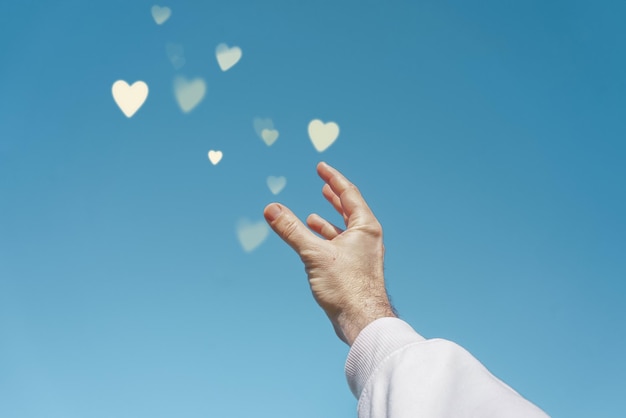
(227,57)
(276,184)
(323,134)
(189,93)
(161,14)
(251,235)
(129,98)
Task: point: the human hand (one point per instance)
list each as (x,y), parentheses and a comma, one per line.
(345,267)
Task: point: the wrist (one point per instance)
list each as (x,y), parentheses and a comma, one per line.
(349,323)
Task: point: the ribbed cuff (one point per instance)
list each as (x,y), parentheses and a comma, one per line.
(373,344)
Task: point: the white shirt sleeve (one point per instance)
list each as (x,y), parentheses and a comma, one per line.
(396,373)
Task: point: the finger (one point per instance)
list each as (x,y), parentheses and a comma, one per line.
(352,202)
(289,228)
(337,181)
(334,200)
(322,226)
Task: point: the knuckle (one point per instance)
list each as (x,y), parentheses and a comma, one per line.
(350,188)
(354,188)
(376,229)
(289,228)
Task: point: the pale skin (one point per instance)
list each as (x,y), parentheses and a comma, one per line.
(344,267)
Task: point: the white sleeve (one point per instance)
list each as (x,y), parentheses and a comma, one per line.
(396,373)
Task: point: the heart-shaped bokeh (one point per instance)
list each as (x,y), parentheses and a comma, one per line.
(161,14)
(269,136)
(176,54)
(276,184)
(227,57)
(251,235)
(323,134)
(129,98)
(189,93)
(215,156)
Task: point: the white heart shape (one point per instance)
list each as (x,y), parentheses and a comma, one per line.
(276,184)
(161,14)
(227,57)
(176,54)
(251,235)
(189,93)
(269,136)
(129,98)
(215,156)
(323,135)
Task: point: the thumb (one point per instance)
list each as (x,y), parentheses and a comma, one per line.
(288,227)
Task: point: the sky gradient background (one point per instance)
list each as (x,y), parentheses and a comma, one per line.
(488,139)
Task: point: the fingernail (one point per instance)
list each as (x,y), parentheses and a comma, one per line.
(272,212)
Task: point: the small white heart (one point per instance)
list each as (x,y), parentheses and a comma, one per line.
(269,136)
(161,14)
(276,184)
(129,98)
(323,134)
(251,235)
(227,57)
(215,156)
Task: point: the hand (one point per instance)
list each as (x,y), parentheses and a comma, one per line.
(344,268)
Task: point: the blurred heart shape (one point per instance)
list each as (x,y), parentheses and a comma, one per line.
(227,57)
(269,136)
(189,93)
(129,98)
(260,124)
(161,14)
(176,54)
(276,184)
(323,134)
(215,156)
(251,235)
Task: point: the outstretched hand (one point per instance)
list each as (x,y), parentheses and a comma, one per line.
(345,267)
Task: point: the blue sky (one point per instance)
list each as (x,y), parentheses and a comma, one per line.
(488,138)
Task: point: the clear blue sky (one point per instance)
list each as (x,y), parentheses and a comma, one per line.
(488,138)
